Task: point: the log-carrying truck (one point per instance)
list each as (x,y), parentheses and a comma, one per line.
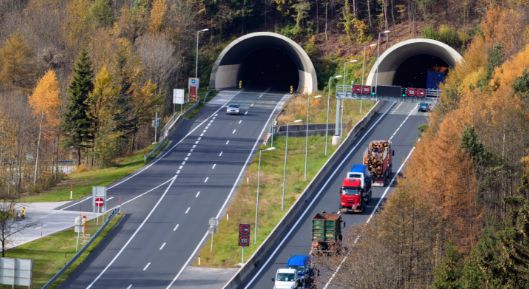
(379,160)
(355,192)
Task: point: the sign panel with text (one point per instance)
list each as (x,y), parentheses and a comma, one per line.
(178,96)
(244,235)
(192,86)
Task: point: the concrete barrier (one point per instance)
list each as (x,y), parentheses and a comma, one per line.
(273,240)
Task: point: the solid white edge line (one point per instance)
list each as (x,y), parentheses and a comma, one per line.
(159,157)
(133,235)
(371,216)
(176,144)
(309,206)
(230,194)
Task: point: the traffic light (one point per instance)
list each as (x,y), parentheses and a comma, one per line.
(403,89)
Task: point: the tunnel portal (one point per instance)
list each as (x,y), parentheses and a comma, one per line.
(264,60)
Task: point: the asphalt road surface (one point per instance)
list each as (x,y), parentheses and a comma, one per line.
(168,203)
(400,125)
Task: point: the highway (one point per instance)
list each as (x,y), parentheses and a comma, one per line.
(400,125)
(168,203)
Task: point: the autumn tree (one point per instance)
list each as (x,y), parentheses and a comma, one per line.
(16,63)
(45,104)
(158,12)
(75,122)
(102,108)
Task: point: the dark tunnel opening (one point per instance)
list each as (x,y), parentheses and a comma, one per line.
(422,71)
(269,68)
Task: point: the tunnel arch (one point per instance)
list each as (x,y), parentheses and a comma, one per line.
(279,59)
(407,52)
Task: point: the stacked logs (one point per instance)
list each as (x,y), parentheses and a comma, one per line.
(374,157)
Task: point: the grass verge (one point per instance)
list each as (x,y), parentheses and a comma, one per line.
(80,183)
(226,252)
(51,253)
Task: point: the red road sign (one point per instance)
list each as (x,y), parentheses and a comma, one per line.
(366,89)
(420,92)
(100,202)
(244,235)
(357,89)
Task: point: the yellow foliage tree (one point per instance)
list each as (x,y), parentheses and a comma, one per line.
(158,11)
(16,67)
(45,104)
(45,101)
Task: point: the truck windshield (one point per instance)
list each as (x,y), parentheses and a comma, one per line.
(299,269)
(351,191)
(288,277)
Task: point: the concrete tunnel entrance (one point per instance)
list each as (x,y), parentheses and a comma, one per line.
(264,60)
(419,63)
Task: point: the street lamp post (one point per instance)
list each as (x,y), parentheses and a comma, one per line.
(285,166)
(257,192)
(307,136)
(364,71)
(378,55)
(196,56)
(328,109)
(339,102)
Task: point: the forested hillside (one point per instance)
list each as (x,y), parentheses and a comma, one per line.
(460,215)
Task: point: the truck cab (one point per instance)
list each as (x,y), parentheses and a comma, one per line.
(286,278)
(351,196)
(303,266)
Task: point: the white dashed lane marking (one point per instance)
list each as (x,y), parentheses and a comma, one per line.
(206,179)
(228,142)
(176,227)
(146,266)
(220,154)
(234,131)
(240,121)
(213,167)
(163,245)
(187,211)
(198,194)
(130,286)
(246,113)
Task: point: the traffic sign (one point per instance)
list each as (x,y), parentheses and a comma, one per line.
(192,85)
(100,202)
(178,96)
(244,235)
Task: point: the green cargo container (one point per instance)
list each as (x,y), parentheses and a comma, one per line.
(326,232)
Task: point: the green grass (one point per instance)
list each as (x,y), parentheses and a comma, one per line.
(50,254)
(226,252)
(80,183)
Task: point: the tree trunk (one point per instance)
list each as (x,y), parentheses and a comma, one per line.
(38,148)
(78,156)
(369,13)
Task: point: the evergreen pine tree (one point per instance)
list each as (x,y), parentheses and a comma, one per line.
(76,121)
(125,119)
(448,273)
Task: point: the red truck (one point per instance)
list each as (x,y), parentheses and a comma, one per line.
(355,192)
(379,160)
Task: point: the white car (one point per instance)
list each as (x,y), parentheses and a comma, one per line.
(286,278)
(233,108)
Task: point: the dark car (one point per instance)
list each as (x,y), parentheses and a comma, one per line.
(425,107)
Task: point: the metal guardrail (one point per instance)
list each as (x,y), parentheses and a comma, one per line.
(54,278)
(274,239)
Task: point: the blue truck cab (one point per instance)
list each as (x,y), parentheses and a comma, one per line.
(359,171)
(302,265)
